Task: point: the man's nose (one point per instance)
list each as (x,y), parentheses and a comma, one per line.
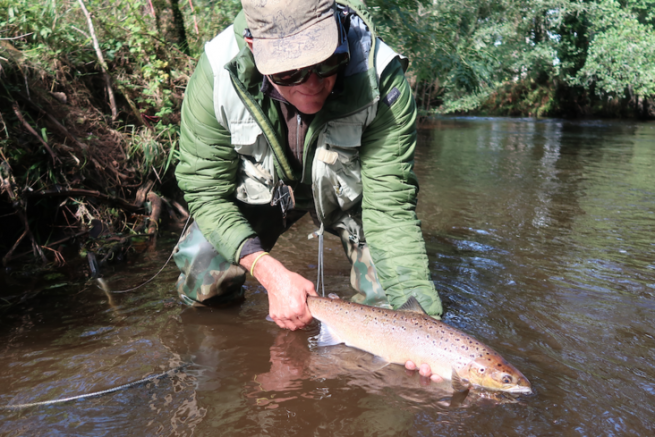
(314,81)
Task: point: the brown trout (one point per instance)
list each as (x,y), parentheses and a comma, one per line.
(410,334)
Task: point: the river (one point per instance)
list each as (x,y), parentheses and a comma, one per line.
(541,241)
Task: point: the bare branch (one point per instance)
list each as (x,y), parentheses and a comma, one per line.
(123,204)
(16,37)
(101,60)
(33,132)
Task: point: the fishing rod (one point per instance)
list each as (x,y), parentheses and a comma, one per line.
(94,394)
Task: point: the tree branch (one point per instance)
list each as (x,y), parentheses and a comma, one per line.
(33,132)
(16,37)
(121,203)
(101,60)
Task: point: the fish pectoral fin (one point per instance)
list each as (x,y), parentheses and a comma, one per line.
(333,296)
(458,398)
(412,305)
(459,383)
(327,336)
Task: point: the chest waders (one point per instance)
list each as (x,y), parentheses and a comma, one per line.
(207,279)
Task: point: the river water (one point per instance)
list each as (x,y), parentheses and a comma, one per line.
(541,240)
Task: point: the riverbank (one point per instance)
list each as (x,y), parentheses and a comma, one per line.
(552,100)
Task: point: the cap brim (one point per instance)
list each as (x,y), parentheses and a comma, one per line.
(308,47)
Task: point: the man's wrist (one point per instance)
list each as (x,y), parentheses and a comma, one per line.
(254,263)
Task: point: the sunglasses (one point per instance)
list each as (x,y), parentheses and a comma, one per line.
(327,68)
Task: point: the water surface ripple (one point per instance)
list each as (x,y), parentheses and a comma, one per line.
(541,241)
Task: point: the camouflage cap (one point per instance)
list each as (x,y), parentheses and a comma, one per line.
(291,34)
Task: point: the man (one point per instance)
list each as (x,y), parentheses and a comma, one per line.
(299,108)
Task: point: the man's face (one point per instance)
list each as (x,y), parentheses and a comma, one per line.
(310,96)
(307,97)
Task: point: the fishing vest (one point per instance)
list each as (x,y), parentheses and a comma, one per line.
(335,170)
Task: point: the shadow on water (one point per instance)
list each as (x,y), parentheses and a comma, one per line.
(540,240)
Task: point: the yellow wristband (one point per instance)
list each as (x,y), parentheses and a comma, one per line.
(252,267)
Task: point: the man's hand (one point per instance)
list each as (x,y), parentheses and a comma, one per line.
(287,291)
(424,370)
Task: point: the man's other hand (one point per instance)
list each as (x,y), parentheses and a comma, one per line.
(424,370)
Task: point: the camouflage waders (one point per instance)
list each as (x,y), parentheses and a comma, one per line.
(208,279)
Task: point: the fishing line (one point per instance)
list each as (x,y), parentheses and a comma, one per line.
(94,394)
(105,287)
(319,279)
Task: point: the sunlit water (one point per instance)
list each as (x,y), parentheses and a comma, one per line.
(541,239)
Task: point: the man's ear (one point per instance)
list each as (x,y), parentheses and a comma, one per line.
(249,42)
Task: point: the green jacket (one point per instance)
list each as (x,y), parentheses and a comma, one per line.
(210,167)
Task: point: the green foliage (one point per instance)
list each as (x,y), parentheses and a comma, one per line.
(620,59)
(50,70)
(621,56)
(470,49)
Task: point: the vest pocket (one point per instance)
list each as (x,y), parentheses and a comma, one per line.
(256,174)
(336,171)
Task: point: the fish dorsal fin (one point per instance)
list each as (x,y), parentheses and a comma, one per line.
(459,384)
(412,305)
(327,336)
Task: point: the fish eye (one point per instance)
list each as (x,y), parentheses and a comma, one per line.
(507,379)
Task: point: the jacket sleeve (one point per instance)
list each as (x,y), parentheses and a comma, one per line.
(391,226)
(208,165)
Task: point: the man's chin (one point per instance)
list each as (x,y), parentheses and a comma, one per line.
(309,109)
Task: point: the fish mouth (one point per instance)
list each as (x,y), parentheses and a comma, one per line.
(516,390)
(519,390)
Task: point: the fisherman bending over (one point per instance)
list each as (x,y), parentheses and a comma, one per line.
(298,107)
